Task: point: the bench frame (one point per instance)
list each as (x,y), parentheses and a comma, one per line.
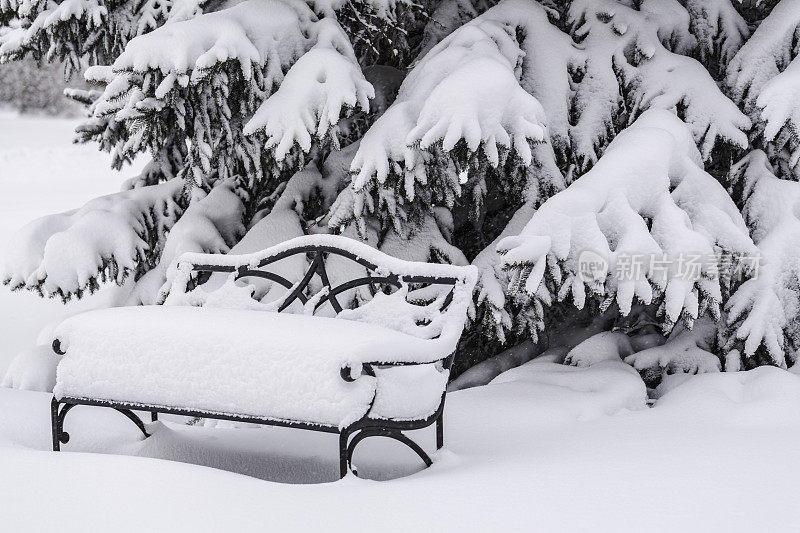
(349,436)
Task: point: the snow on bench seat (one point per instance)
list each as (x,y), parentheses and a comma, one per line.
(258,363)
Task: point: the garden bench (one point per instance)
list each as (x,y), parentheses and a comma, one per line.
(321,332)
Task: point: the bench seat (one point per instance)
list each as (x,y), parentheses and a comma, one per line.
(272,365)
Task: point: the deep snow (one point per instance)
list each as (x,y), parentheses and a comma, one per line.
(543,447)
(547,447)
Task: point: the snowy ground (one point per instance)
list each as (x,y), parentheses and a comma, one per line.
(544,447)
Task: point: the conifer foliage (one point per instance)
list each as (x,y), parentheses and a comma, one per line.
(517,135)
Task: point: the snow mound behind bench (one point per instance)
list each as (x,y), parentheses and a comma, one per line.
(245,362)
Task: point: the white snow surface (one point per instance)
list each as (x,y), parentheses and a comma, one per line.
(544,446)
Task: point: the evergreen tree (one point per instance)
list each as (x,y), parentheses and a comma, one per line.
(518,135)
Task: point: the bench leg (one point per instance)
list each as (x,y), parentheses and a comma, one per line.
(383,432)
(440,432)
(54,424)
(343,458)
(58,412)
(57,415)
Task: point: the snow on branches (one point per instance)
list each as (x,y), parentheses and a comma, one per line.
(764,312)
(75,30)
(634,61)
(537,128)
(200,80)
(719,29)
(763,78)
(454,113)
(325,82)
(108,239)
(211,224)
(462,98)
(647,195)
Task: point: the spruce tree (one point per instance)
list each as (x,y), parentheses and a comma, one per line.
(516,135)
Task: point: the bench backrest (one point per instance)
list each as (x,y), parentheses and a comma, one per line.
(443,291)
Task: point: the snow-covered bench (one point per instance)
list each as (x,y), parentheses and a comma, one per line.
(364,347)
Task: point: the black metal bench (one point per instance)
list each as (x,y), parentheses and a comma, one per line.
(381,273)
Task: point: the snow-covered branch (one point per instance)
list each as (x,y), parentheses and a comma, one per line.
(211,224)
(640,53)
(719,29)
(462,98)
(235,58)
(648,195)
(75,30)
(108,239)
(763,312)
(763,78)
(321,86)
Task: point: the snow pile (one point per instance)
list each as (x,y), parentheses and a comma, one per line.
(656,358)
(243,362)
(33,369)
(761,397)
(688,351)
(109,238)
(563,391)
(528,445)
(648,195)
(605,346)
(764,311)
